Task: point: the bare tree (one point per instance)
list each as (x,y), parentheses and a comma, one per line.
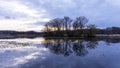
(92,29)
(80,22)
(54,24)
(67,23)
(47,26)
(57,23)
(91,26)
(75,25)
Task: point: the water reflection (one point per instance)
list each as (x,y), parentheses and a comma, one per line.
(70,46)
(94,52)
(60,53)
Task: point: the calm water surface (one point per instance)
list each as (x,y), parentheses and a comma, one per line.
(59,53)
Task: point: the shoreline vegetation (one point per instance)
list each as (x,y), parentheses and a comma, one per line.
(66,28)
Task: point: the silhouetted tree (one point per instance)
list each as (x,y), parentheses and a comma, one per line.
(91,30)
(46,27)
(75,25)
(58,23)
(80,22)
(67,23)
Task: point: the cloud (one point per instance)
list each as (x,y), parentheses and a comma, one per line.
(97,11)
(18,8)
(32,13)
(16,15)
(19,25)
(114,2)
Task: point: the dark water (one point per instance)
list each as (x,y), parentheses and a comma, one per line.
(59,53)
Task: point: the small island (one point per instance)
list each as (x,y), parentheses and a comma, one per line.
(77,28)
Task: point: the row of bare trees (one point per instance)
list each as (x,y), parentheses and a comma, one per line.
(67,23)
(66,26)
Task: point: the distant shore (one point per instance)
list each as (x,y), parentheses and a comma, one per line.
(36,36)
(32,34)
(108,35)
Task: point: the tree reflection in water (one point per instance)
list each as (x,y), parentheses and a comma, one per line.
(67,47)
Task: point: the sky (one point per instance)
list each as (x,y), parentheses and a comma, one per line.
(25,15)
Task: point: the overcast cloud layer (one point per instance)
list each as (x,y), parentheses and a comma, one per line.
(32,14)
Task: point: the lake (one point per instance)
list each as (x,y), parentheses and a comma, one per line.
(59,53)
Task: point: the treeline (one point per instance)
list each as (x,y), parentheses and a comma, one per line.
(67,27)
(109,30)
(19,34)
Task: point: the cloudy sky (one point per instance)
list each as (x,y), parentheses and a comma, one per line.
(32,14)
